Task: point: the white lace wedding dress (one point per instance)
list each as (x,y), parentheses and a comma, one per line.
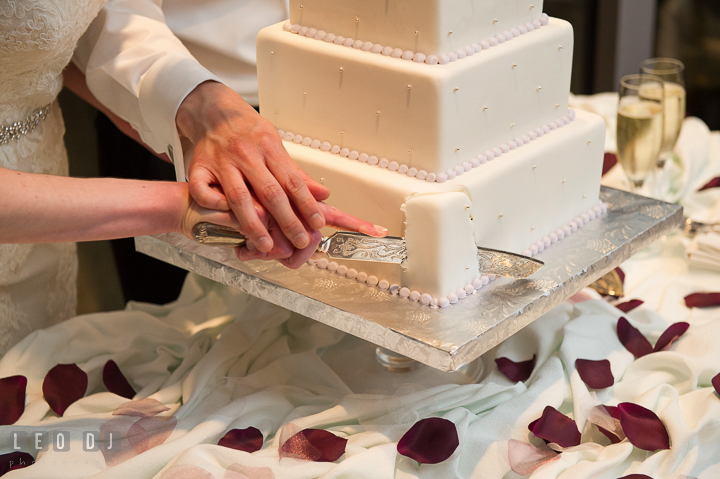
(37,39)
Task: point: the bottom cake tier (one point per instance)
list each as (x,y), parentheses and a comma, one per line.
(520,198)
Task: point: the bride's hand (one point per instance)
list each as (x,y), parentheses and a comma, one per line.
(195,214)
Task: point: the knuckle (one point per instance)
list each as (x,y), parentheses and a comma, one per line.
(294,183)
(273,194)
(238,196)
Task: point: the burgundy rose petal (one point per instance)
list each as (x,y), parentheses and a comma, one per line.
(636,476)
(15,460)
(643,428)
(595,374)
(670,335)
(524,458)
(632,339)
(430,441)
(12,399)
(609,160)
(716,383)
(553,426)
(516,371)
(714,183)
(248,440)
(63,385)
(116,382)
(314,445)
(702,300)
(628,306)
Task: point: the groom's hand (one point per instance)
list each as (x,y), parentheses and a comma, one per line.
(240,151)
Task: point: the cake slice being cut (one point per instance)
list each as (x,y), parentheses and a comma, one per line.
(477,148)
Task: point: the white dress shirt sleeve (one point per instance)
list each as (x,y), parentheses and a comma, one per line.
(141,71)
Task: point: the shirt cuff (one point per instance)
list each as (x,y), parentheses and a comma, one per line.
(161,91)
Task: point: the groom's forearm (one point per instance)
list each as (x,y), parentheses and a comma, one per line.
(74,80)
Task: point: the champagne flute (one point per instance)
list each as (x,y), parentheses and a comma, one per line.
(640,126)
(671,71)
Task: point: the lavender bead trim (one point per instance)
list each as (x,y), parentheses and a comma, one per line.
(418,57)
(422,174)
(404,292)
(596,211)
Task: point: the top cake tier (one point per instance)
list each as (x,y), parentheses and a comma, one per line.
(431,27)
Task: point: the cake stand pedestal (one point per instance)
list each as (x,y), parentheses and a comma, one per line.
(444,339)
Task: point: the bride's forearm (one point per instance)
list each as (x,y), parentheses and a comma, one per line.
(43,209)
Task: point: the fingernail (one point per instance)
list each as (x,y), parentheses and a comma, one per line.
(265,244)
(376,230)
(317,221)
(301,240)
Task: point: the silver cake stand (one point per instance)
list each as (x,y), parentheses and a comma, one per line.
(445,339)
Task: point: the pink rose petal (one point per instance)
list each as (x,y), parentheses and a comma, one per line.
(702,300)
(716,383)
(607,420)
(63,385)
(314,445)
(248,440)
(15,460)
(240,471)
(146,407)
(553,426)
(516,371)
(670,335)
(12,399)
(116,382)
(714,183)
(149,432)
(524,458)
(643,428)
(430,441)
(136,436)
(186,471)
(121,451)
(595,374)
(628,306)
(632,339)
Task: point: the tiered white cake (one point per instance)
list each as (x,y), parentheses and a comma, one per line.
(445,121)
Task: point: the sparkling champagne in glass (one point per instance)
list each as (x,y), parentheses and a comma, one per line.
(640,126)
(671,71)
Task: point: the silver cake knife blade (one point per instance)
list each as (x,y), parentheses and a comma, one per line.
(391,249)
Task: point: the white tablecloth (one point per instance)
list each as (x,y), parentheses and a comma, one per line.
(220,359)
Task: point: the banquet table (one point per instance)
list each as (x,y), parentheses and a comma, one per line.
(218,359)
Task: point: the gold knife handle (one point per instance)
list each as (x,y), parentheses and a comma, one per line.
(216,235)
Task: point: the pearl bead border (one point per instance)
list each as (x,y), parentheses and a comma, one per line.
(418,57)
(597,211)
(413,172)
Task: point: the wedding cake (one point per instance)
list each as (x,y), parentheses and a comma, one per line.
(445,121)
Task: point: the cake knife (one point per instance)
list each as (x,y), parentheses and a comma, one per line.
(390,249)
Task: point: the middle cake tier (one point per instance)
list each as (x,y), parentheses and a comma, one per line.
(430,118)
